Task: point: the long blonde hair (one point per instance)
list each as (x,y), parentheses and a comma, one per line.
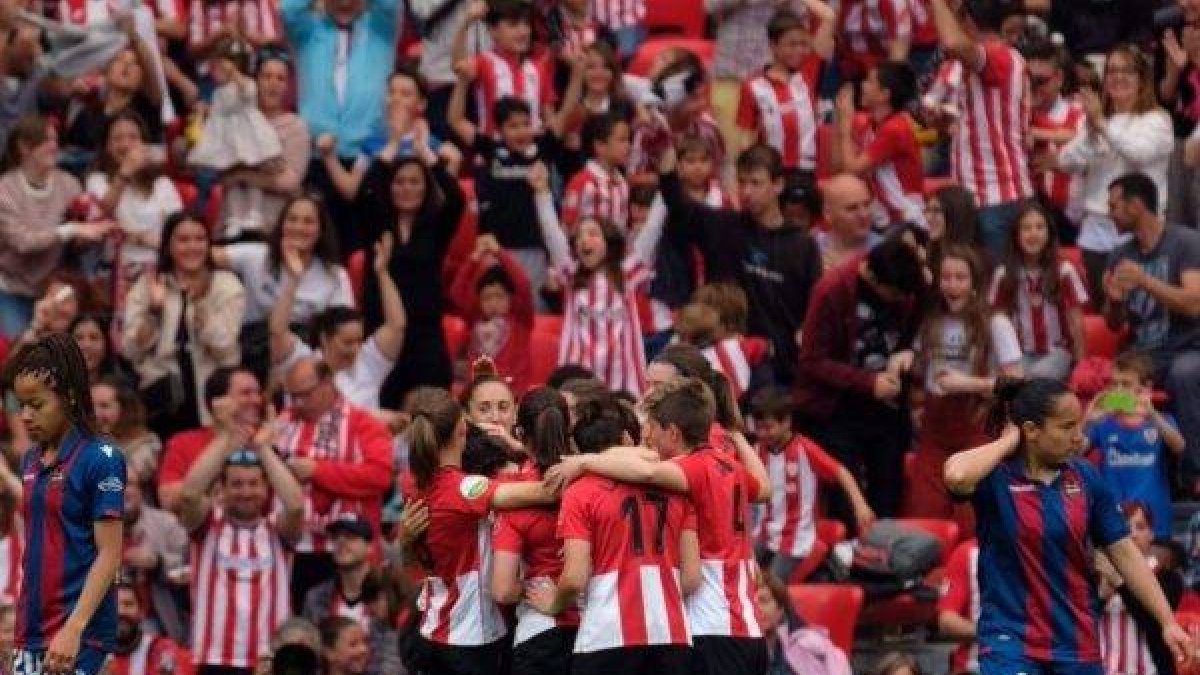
(1147,98)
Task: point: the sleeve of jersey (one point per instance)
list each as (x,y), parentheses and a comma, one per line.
(693,471)
(574,515)
(106,477)
(506,536)
(1074,293)
(825,466)
(475,494)
(997,63)
(1106,523)
(957,588)
(885,145)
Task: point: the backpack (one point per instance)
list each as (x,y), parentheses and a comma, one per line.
(891,558)
(809,651)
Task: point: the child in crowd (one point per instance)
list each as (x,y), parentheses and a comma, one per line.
(958,608)
(600,190)
(697,173)
(603,92)
(1132,438)
(600,273)
(734,354)
(493,293)
(1042,294)
(779,107)
(795,464)
(235,132)
(962,348)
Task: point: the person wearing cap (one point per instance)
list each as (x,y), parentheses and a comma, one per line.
(241,560)
(353,591)
(138,651)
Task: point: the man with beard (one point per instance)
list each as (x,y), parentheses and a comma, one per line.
(353,592)
(139,652)
(155,557)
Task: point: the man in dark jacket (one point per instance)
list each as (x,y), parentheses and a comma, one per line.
(852,364)
(774,261)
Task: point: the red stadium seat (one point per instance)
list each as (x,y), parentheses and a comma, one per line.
(831,531)
(1100,340)
(356,269)
(456,333)
(833,606)
(543,347)
(675,17)
(643,61)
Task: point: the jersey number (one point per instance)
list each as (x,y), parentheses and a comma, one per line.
(632,509)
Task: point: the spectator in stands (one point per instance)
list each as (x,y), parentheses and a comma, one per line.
(345,649)
(898,663)
(255,198)
(856,349)
(34,198)
(493,293)
(891,158)
(307,235)
(1132,441)
(353,592)
(295,635)
(1057,118)
(104,361)
(1178,90)
(1021,554)
(182,323)
(958,607)
(121,415)
(1153,286)
(128,185)
(989,151)
(360,363)
(604,91)
(183,449)
(156,560)
(795,464)
(775,262)
(132,85)
(1126,131)
(140,651)
(962,347)
(869,34)
(953,218)
(1042,295)
(341,455)
(422,204)
(789,655)
(847,201)
(65,296)
(238,534)
(599,190)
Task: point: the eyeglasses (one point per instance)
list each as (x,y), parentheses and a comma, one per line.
(243,457)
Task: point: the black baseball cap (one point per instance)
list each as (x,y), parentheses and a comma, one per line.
(351,523)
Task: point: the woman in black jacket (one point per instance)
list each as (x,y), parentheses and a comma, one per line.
(422,204)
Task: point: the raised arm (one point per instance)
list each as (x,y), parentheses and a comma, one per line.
(966,469)
(281,342)
(954,39)
(389,337)
(826,20)
(285,486)
(557,246)
(645,244)
(194,502)
(147,60)
(465,74)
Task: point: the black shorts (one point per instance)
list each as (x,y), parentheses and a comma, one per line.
(456,660)
(718,655)
(653,660)
(547,653)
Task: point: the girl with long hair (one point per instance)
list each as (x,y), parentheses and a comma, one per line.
(962,346)
(1042,294)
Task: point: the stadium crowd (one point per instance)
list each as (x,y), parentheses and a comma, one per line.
(406,314)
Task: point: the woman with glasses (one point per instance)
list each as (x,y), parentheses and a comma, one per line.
(1126,131)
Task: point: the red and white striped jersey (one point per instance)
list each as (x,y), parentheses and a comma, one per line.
(154,655)
(866,27)
(898,179)
(498,75)
(240,591)
(1063,189)
(618,14)
(11,545)
(456,603)
(924,29)
(1041,325)
(596,192)
(633,597)
(1123,646)
(720,490)
(784,113)
(257,17)
(601,330)
(960,595)
(735,358)
(788,525)
(989,149)
(530,534)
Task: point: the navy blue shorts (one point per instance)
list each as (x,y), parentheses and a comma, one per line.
(999,664)
(88,662)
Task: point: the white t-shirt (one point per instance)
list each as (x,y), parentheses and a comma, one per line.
(361,382)
(953,353)
(321,286)
(140,213)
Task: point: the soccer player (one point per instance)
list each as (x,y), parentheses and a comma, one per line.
(625,548)
(74,499)
(727,636)
(1040,512)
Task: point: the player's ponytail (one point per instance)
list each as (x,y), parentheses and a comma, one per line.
(543,419)
(435,417)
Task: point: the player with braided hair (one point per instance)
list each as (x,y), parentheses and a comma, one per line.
(73,505)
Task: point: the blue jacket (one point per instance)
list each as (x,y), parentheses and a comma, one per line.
(314,37)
